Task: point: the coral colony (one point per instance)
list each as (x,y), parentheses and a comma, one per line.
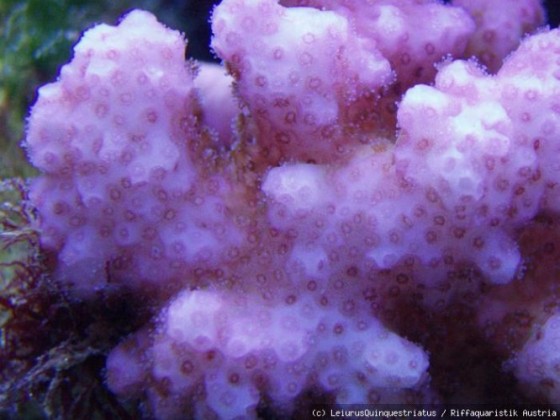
(303,216)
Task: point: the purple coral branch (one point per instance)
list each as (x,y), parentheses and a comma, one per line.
(263,209)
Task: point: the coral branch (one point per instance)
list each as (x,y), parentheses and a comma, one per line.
(309,217)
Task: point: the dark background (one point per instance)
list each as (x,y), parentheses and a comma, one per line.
(553,8)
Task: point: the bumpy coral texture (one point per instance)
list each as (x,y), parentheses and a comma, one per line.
(499,26)
(288,223)
(403,32)
(117,137)
(281,349)
(539,361)
(320,66)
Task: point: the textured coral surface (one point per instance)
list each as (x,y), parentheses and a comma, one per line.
(335,214)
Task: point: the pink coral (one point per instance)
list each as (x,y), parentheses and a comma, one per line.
(537,364)
(304,68)
(264,350)
(404,33)
(118,139)
(500,24)
(461,177)
(219,107)
(292,221)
